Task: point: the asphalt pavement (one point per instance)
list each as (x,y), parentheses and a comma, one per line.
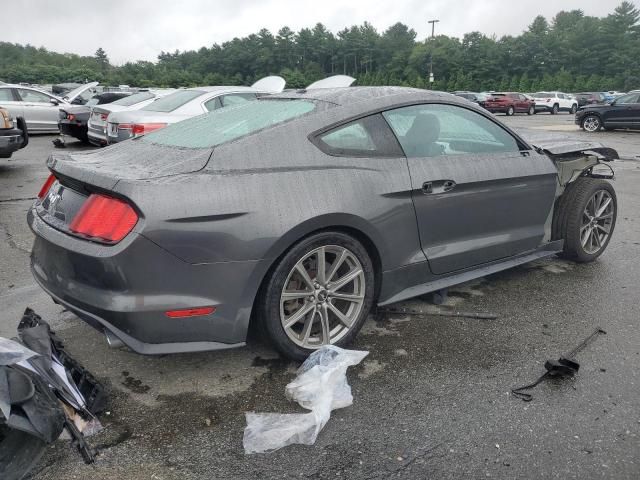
(432,399)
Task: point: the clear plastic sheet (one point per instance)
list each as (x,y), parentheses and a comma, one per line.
(320,386)
(12,352)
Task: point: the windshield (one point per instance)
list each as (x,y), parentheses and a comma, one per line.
(226,124)
(133,99)
(172,101)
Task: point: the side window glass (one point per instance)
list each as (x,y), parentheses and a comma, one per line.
(213,104)
(365,137)
(6,95)
(351,137)
(237,98)
(33,96)
(440,130)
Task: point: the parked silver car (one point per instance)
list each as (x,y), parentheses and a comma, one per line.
(39,108)
(97,125)
(184,104)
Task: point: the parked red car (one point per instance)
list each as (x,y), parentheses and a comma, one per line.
(509,103)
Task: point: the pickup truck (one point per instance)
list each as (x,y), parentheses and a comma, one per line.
(13,136)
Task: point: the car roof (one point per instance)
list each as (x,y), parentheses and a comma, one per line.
(222,89)
(351,95)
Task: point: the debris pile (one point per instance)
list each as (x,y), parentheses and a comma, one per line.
(320,386)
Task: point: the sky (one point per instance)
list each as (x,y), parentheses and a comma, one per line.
(130,30)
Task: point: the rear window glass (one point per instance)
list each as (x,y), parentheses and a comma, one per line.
(172,101)
(133,99)
(226,124)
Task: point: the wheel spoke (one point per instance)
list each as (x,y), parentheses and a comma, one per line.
(305,276)
(349,297)
(603,206)
(596,237)
(346,279)
(321,265)
(585,237)
(336,265)
(605,228)
(293,294)
(605,216)
(324,322)
(306,330)
(346,321)
(298,315)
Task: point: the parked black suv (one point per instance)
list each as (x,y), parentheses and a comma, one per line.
(623,112)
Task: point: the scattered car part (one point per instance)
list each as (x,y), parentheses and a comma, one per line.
(320,386)
(42,391)
(565,366)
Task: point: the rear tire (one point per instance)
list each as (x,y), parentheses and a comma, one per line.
(585,218)
(317,311)
(555,109)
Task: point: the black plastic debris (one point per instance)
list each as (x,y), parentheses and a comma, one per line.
(43,390)
(565,366)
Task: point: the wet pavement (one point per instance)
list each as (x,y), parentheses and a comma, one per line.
(432,398)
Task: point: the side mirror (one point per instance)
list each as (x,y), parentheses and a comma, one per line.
(54,101)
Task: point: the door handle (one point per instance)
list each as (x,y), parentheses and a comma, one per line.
(438,186)
(448,185)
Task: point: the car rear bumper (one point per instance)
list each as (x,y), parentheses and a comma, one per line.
(72,129)
(128,288)
(10,141)
(96,137)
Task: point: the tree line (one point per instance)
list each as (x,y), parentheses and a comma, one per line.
(570,52)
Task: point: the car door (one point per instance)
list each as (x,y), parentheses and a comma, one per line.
(9,99)
(39,112)
(624,112)
(523,103)
(480,194)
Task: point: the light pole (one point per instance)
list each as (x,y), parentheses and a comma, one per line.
(433,35)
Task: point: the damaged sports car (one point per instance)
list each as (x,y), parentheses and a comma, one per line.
(295,214)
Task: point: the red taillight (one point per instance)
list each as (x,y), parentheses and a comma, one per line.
(548,100)
(71,117)
(190,312)
(142,128)
(103,116)
(47,185)
(104,218)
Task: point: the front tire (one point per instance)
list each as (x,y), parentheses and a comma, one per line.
(574,109)
(591,123)
(585,218)
(319,293)
(532,110)
(510,111)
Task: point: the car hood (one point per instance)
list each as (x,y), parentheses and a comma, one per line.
(131,160)
(69,97)
(146,116)
(557,144)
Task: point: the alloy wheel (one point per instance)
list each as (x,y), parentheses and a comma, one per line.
(322,297)
(591,123)
(597,220)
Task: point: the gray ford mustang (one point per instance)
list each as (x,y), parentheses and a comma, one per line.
(298,212)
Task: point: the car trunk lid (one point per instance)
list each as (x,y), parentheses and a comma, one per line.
(130,160)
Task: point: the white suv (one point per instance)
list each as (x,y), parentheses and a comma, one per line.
(554,102)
